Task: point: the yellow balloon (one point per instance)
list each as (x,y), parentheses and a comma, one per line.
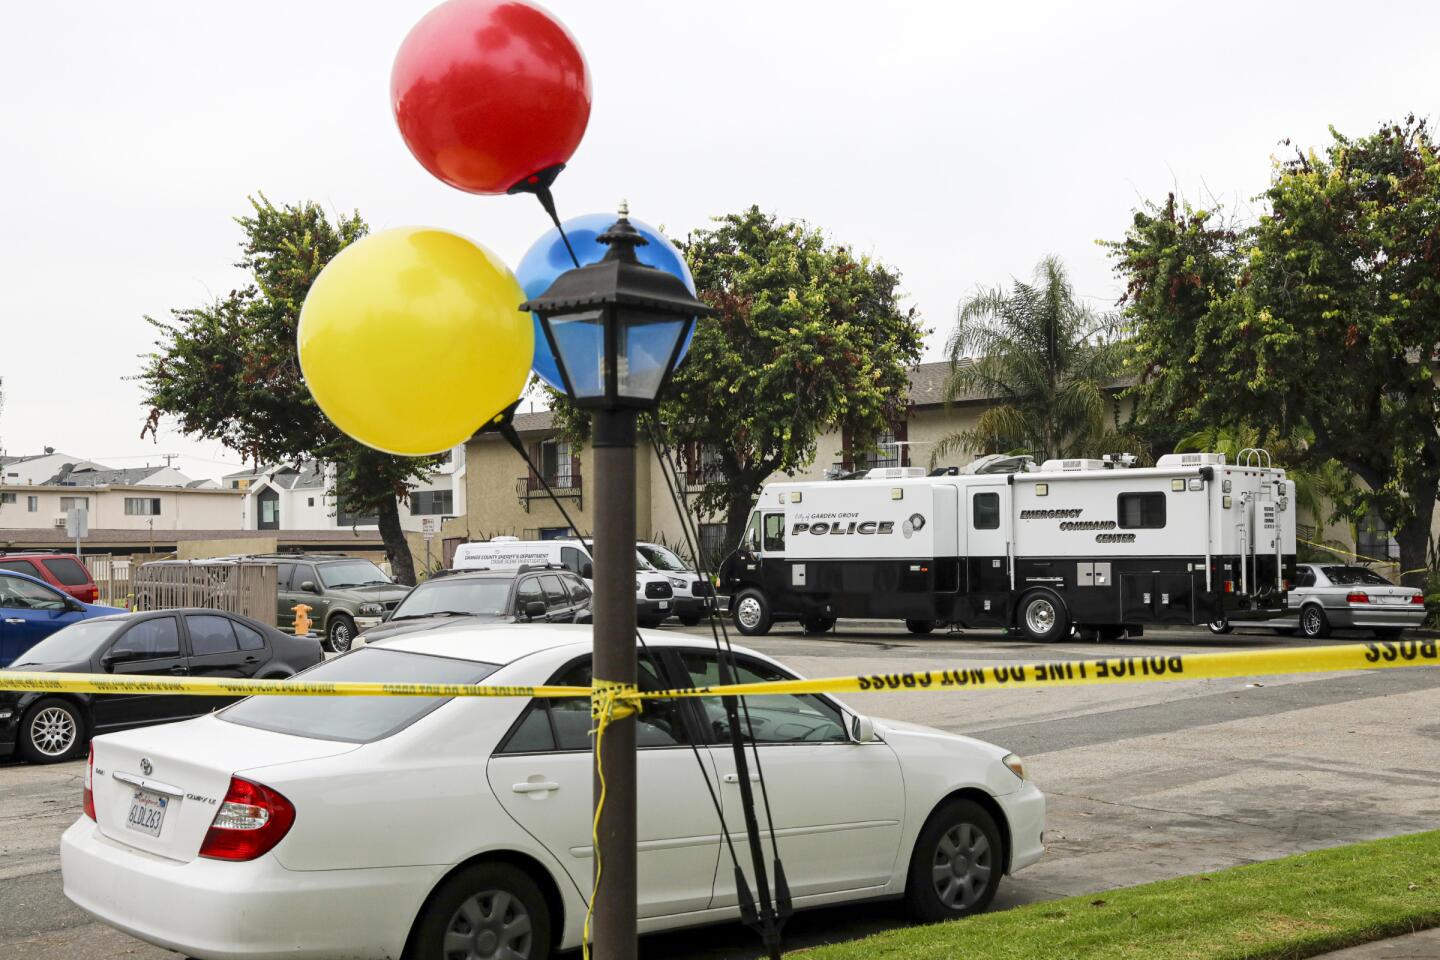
(412,338)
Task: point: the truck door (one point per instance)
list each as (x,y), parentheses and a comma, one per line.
(987,537)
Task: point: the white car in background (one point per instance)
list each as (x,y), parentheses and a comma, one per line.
(694,595)
(369,827)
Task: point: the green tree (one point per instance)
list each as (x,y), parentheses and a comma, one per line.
(809,338)
(1046,360)
(229,371)
(1324,313)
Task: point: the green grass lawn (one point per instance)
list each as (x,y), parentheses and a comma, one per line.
(1296,907)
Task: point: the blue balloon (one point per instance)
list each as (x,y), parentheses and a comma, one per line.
(547,259)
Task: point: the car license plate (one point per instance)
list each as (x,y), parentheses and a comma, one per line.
(147,812)
(664,604)
(1388,599)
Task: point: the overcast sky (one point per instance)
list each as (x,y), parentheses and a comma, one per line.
(957,142)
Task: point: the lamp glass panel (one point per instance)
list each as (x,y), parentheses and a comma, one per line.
(647,342)
(580,343)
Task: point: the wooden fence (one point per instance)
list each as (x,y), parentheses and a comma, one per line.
(244,588)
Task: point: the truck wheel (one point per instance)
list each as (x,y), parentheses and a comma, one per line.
(1313,622)
(920,627)
(1043,618)
(1220,625)
(752,613)
(817,624)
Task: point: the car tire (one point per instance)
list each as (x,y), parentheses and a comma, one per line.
(52,731)
(498,905)
(1221,625)
(956,865)
(920,627)
(690,621)
(1042,617)
(340,634)
(1313,622)
(813,625)
(752,613)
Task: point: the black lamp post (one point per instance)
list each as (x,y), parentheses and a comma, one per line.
(616,329)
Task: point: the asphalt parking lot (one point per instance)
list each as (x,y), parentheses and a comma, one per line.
(1144,781)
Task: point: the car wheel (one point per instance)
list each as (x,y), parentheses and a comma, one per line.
(490,910)
(1313,622)
(690,621)
(920,627)
(752,613)
(1043,618)
(340,634)
(1221,625)
(51,731)
(956,866)
(817,624)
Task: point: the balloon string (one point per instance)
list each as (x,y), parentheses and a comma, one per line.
(547,200)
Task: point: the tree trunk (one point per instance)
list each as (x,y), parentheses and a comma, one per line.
(737,513)
(1413,536)
(397,548)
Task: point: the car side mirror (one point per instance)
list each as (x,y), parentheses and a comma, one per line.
(308,586)
(587,570)
(112,657)
(862,729)
(535,610)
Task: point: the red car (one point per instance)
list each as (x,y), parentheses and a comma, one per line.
(63,571)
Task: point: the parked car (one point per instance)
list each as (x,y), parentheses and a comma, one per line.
(345,594)
(193,642)
(654,594)
(64,571)
(544,594)
(375,827)
(694,595)
(31,610)
(1337,596)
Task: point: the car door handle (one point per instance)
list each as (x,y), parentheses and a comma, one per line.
(179,669)
(252,659)
(735,778)
(534,786)
(14,619)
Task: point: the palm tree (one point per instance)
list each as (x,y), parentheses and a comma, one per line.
(1044,360)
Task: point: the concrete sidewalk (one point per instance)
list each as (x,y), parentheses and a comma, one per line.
(1424,945)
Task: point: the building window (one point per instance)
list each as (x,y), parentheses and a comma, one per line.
(702,463)
(71,503)
(142,506)
(426,503)
(32,504)
(1141,511)
(239,484)
(888,449)
(1373,538)
(556,462)
(6,498)
(886,452)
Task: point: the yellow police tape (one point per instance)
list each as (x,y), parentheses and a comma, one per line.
(1147,668)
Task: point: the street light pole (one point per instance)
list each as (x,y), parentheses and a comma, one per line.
(613,440)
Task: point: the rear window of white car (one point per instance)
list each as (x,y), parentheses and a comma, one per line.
(358,719)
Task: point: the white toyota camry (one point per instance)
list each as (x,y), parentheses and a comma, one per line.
(427,829)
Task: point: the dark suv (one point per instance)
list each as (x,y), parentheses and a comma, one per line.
(531,594)
(63,571)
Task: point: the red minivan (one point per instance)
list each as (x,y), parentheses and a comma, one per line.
(64,571)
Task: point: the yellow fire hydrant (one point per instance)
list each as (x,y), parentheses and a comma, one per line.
(302,619)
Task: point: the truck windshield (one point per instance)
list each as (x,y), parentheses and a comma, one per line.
(351,573)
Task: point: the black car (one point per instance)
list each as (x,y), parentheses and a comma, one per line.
(548,594)
(195,642)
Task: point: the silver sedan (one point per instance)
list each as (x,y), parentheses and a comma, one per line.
(1332,596)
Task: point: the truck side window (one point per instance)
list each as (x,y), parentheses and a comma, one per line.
(571,559)
(750,540)
(1141,511)
(985,511)
(775,531)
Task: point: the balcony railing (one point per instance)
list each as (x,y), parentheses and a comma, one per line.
(529,488)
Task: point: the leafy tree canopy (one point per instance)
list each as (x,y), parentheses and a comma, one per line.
(229,370)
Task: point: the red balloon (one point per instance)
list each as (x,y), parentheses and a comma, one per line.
(490,93)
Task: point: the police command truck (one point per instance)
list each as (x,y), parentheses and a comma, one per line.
(1092,546)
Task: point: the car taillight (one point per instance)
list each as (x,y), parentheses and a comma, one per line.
(1357,597)
(1418,598)
(87,798)
(250,821)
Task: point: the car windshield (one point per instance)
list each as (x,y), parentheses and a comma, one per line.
(73,643)
(358,719)
(351,573)
(1354,577)
(480,596)
(662,558)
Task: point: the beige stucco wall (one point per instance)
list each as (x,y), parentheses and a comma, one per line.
(180,509)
